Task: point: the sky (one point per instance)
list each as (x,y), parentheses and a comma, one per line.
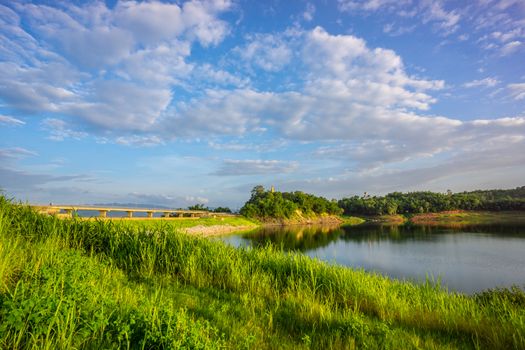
(184,102)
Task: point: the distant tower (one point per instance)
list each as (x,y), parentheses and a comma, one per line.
(272,189)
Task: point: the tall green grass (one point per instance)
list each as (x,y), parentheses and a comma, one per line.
(98,284)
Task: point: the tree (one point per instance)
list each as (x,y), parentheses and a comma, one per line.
(198,207)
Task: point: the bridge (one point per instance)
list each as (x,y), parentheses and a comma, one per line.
(68,210)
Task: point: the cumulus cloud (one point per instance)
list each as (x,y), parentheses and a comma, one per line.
(266,51)
(349,90)
(118,72)
(232,167)
(110,67)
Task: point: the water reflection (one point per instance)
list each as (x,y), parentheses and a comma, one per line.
(468,258)
(301,238)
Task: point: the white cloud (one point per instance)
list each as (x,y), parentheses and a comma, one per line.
(309,12)
(251,146)
(517,90)
(209,74)
(433,11)
(368,5)
(120,105)
(510,47)
(430,11)
(5,119)
(16,153)
(485,82)
(392,30)
(232,167)
(110,67)
(362,98)
(355,91)
(503,20)
(141,141)
(59,131)
(266,51)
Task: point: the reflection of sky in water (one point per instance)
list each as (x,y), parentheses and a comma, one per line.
(464,261)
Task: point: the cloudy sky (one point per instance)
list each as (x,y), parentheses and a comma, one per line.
(184,102)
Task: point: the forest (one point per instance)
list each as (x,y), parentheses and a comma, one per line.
(284,205)
(428,202)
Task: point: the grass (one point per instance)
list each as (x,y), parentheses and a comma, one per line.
(99,284)
(470,218)
(352,220)
(182,223)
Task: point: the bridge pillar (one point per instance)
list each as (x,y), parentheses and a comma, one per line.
(166,214)
(130,214)
(103,213)
(69,212)
(192,215)
(150,214)
(181,215)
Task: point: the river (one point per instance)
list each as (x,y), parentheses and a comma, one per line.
(468,259)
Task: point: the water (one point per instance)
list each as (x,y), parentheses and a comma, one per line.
(467,259)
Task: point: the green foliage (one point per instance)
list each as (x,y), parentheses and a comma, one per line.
(222,210)
(198,207)
(427,202)
(203,208)
(284,205)
(98,285)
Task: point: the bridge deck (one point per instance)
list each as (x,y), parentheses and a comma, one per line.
(69,209)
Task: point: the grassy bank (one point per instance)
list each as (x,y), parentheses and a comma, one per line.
(97,284)
(452,218)
(459,217)
(180,223)
(205,226)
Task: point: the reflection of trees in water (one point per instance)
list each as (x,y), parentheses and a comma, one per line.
(409,232)
(295,237)
(304,238)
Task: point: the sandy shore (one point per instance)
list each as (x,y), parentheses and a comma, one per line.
(215,230)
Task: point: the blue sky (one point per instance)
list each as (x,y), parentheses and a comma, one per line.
(184,102)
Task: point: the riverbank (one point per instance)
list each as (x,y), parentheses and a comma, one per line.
(462,217)
(303,220)
(95,284)
(454,218)
(200,226)
(216,230)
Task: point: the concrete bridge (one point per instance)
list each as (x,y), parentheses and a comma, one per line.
(68,210)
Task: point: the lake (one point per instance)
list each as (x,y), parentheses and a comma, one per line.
(467,259)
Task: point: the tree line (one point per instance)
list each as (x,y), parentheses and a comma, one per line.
(265,204)
(214,210)
(427,202)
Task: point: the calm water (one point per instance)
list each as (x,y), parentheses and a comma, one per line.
(469,259)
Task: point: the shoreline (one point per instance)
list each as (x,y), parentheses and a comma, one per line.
(217,230)
(451,217)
